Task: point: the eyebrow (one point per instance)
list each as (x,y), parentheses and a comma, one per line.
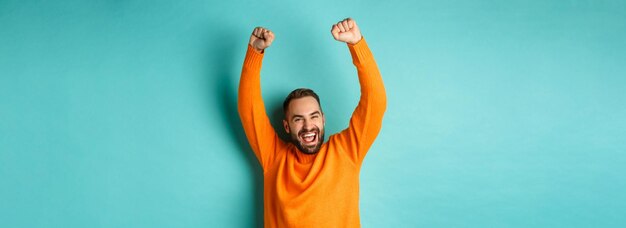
(313,113)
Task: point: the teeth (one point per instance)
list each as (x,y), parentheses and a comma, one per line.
(309,137)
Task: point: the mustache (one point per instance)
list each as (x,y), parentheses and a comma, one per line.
(314,130)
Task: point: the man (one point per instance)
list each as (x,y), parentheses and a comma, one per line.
(309,183)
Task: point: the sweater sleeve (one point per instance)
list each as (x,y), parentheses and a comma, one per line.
(259,131)
(366,120)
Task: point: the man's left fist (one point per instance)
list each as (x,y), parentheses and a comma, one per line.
(346,31)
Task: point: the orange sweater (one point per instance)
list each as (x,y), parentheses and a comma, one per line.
(319,190)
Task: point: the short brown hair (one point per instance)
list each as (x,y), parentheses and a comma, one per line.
(299,93)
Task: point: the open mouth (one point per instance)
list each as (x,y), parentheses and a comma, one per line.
(309,138)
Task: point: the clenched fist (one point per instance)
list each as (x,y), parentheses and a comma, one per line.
(346,31)
(261,38)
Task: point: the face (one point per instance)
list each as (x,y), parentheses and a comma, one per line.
(304,122)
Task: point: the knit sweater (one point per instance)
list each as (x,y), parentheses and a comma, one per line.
(313,190)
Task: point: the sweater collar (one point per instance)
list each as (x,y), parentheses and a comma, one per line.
(304,157)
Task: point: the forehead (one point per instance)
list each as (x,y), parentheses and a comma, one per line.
(303,106)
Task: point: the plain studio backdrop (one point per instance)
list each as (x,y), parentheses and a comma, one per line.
(500,113)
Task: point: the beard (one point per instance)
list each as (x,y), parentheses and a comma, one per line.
(308,149)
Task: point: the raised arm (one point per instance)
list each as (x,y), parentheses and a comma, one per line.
(256,124)
(366,121)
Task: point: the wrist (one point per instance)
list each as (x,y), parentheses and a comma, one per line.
(355,41)
(256,49)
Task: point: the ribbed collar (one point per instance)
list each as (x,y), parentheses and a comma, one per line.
(302,157)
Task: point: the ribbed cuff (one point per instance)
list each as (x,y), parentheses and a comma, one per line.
(360,51)
(253,58)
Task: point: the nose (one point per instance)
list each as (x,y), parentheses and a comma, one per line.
(308,125)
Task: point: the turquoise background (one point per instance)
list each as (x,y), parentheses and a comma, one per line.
(500,113)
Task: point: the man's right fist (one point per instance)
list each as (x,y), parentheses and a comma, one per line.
(261,38)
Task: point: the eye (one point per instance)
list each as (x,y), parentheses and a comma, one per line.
(297,120)
(314,117)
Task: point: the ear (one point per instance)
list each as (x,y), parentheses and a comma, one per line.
(286,126)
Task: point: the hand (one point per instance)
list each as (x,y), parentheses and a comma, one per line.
(261,38)
(346,31)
